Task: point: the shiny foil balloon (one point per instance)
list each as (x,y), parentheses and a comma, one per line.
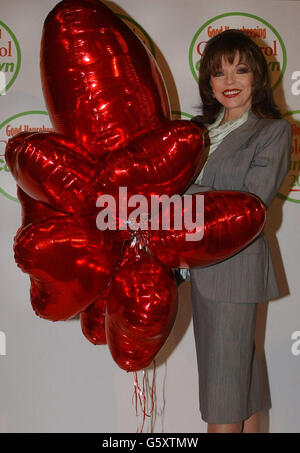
(53,169)
(231,221)
(141,309)
(69,261)
(93,321)
(161,162)
(57,171)
(101,84)
(32,210)
(108,105)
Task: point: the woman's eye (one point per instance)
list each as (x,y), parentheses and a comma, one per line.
(218,74)
(243,70)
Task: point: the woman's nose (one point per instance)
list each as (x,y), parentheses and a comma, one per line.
(230,78)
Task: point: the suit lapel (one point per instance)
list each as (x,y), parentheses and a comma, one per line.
(234,139)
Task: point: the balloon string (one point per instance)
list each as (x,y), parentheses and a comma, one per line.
(153,393)
(141,396)
(144,402)
(138,394)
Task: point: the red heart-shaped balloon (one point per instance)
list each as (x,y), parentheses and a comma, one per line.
(141,310)
(55,170)
(101,85)
(160,162)
(69,261)
(230,220)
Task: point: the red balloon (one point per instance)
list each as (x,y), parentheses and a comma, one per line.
(69,261)
(101,84)
(140,312)
(232,220)
(108,105)
(93,321)
(32,210)
(53,169)
(163,161)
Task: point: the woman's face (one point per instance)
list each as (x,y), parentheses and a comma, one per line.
(232,86)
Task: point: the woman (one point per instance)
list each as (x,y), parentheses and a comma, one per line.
(249,151)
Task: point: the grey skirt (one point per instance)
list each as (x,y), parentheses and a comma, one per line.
(229,384)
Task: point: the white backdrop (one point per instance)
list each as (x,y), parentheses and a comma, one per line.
(51,378)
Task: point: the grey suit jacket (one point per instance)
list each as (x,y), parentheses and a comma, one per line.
(254,158)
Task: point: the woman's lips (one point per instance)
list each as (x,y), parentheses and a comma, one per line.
(231,93)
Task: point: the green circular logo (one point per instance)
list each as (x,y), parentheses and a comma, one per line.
(263,33)
(10,58)
(178,115)
(30,121)
(290,189)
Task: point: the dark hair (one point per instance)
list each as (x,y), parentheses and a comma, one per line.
(226,44)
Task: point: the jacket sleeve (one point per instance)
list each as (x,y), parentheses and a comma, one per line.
(271,162)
